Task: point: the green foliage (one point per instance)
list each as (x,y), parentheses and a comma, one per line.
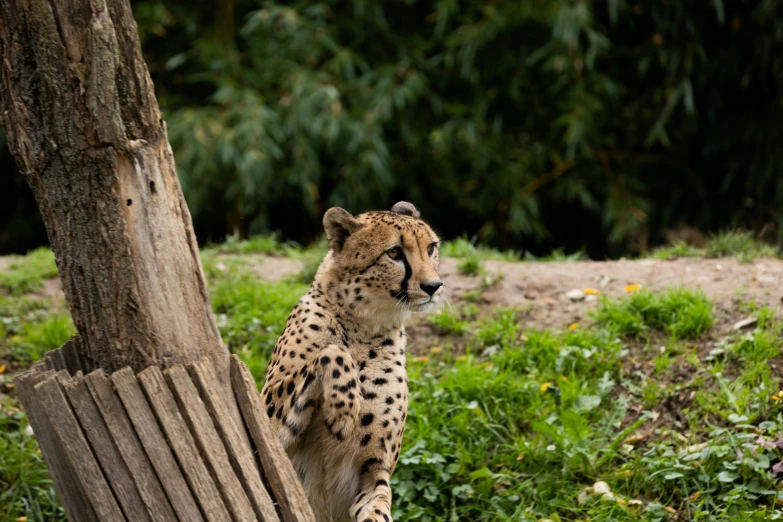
(25,486)
(269,244)
(251,314)
(574,124)
(26,274)
(679,311)
(470,266)
(462,248)
(742,245)
(524,433)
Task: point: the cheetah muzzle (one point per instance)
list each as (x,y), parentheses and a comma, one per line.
(336,388)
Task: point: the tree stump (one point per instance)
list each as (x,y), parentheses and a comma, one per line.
(142,415)
(158,446)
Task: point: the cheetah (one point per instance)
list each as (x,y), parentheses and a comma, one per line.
(336,388)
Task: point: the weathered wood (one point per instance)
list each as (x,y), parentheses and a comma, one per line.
(181,441)
(209,443)
(237,446)
(68,488)
(279,471)
(74,359)
(56,360)
(155,445)
(76,449)
(109,458)
(124,437)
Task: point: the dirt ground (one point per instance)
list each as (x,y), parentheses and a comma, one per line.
(542,290)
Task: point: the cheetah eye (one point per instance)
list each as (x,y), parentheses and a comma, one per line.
(431,248)
(394,253)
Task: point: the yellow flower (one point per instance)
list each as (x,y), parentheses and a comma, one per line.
(776,398)
(520,456)
(573,326)
(488,366)
(21,519)
(462,358)
(422,359)
(436,349)
(591,291)
(2,368)
(563,378)
(544,387)
(632,288)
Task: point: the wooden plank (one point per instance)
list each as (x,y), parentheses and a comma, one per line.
(283,480)
(74,361)
(238,448)
(57,360)
(155,445)
(101,440)
(209,443)
(73,498)
(181,441)
(77,451)
(129,447)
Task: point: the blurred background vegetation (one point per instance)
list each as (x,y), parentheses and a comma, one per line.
(530,125)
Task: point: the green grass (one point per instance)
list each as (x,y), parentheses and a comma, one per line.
(738,244)
(26,274)
(680,312)
(647,399)
(464,248)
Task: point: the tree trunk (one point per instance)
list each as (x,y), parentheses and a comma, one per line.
(84,126)
(82,121)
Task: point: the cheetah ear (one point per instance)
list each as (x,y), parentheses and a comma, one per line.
(406,209)
(339,224)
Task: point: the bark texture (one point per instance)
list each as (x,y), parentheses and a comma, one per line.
(84,126)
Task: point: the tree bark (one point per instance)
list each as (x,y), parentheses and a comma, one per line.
(84,126)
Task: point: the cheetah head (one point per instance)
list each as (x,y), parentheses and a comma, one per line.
(385,262)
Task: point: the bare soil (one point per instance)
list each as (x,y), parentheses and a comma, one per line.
(540,289)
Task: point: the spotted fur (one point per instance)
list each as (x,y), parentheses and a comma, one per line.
(337,387)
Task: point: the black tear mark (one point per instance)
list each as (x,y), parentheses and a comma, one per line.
(402,293)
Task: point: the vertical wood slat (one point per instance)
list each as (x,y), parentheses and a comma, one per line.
(280,473)
(181,441)
(144,448)
(77,451)
(129,447)
(77,505)
(94,427)
(238,448)
(155,445)
(206,436)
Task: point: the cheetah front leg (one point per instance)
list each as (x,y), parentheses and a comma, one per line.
(373,503)
(327,380)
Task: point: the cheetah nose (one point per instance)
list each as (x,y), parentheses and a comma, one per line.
(431,287)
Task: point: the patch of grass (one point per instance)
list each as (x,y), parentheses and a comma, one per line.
(26,274)
(251,315)
(741,245)
(25,487)
(269,244)
(557,255)
(524,433)
(681,312)
(454,321)
(470,266)
(462,248)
